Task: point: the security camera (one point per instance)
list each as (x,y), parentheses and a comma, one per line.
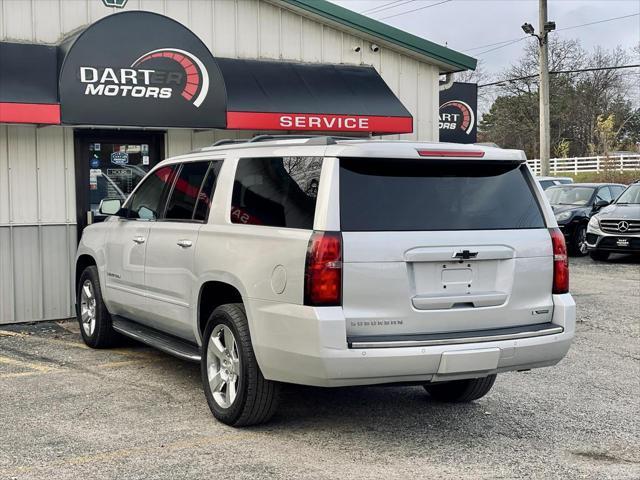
(375,48)
(356,48)
(528,29)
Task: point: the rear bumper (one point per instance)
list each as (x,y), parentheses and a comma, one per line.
(308,346)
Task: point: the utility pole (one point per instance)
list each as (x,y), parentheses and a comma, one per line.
(543,90)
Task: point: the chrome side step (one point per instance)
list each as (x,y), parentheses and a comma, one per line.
(455,338)
(156,339)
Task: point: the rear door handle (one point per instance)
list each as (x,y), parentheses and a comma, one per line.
(184,243)
(139,239)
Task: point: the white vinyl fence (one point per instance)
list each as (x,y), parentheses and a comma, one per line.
(588,164)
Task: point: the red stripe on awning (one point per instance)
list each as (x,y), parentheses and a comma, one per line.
(48,113)
(321,122)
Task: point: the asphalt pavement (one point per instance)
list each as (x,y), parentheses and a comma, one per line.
(69,412)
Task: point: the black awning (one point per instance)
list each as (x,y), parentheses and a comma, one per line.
(111,75)
(276,95)
(28,83)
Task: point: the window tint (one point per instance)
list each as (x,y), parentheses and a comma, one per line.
(405,195)
(604,194)
(183,198)
(206,193)
(146,203)
(569,195)
(616,190)
(631,195)
(278,192)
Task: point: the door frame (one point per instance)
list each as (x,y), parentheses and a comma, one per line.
(83,137)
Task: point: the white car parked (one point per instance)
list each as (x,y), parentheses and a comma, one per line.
(332,262)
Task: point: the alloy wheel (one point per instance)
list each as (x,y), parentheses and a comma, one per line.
(88,308)
(582,241)
(223,366)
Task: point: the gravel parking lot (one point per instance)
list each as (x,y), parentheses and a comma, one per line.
(70,412)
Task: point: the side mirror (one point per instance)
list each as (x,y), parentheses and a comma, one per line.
(110,206)
(599,204)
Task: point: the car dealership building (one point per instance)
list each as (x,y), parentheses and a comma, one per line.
(92,96)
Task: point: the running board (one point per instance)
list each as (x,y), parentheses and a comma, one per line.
(156,339)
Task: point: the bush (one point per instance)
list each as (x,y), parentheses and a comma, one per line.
(605,176)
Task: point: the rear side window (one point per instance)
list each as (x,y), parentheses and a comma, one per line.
(186,190)
(276,192)
(206,192)
(410,195)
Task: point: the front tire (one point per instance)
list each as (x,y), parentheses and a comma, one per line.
(460,391)
(92,314)
(599,255)
(579,241)
(236,391)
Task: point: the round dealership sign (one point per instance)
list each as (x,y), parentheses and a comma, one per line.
(140,69)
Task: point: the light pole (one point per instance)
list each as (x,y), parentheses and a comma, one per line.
(543,91)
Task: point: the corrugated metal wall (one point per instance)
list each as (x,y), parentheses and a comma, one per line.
(37,222)
(244,29)
(37,191)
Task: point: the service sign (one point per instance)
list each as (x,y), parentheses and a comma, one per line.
(140,69)
(458,113)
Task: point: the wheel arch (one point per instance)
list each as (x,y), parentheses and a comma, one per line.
(212,293)
(82,262)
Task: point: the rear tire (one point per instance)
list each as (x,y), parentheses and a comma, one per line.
(599,255)
(92,314)
(460,391)
(236,391)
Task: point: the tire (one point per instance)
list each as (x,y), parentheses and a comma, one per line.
(579,241)
(460,391)
(599,255)
(92,314)
(256,399)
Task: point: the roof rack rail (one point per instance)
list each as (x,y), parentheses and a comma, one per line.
(226,141)
(311,139)
(267,137)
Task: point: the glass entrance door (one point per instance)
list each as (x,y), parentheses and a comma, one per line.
(109,165)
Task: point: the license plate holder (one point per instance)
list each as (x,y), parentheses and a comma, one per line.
(622,242)
(464,361)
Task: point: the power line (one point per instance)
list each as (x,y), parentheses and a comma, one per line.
(599,21)
(387,6)
(515,40)
(501,46)
(491,44)
(414,10)
(556,72)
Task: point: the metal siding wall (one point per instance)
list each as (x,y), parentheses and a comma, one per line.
(37,223)
(246,29)
(37,191)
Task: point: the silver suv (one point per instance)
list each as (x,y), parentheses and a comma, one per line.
(332,262)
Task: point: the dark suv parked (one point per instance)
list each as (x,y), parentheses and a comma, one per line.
(616,228)
(575,204)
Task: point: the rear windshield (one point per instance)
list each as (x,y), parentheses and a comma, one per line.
(409,195)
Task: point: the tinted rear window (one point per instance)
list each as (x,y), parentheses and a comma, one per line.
(276,192)
(409,195)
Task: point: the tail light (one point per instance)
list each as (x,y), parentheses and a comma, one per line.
(560,262)
(323,270)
